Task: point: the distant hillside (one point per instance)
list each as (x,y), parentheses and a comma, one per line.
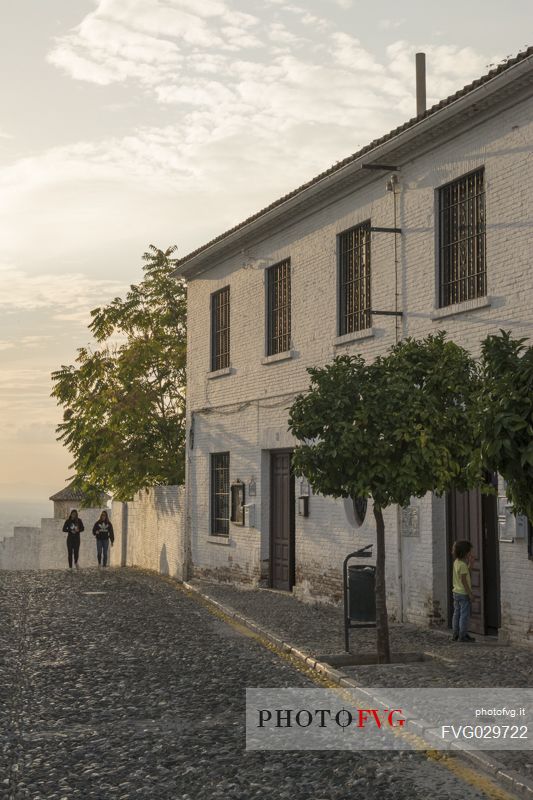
(21,512)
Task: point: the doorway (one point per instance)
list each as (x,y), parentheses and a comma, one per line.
(474,516)
(282,521)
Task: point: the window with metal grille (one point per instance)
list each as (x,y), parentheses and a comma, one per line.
(354,279)
(220,329)
(220,494)
(462,267)
(279,308)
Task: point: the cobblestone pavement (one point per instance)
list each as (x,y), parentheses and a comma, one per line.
(117,684)
(318,629)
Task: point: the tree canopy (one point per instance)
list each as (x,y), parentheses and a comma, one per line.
(398,427)
(395,428)
(124,398)
(506,416)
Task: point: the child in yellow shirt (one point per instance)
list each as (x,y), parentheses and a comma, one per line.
(462,591)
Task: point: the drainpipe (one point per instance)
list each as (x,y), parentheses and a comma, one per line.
(399,556)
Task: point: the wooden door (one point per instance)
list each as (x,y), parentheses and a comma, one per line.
(473,516)
(465,522)
(282,521)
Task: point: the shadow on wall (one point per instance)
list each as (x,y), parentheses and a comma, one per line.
(163,561)
(166,499)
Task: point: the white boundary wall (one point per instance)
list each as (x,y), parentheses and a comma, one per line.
(45,547)
(149,531)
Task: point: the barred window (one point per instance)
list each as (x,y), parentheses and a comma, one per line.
(462,266)
(220,329)
(354,279)
(279,308)
(220,494)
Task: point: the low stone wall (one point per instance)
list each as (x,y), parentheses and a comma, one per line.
(45,547)
(149,531)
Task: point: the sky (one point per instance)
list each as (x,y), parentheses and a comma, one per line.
(125,123)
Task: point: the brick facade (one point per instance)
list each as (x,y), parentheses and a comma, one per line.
(243,410)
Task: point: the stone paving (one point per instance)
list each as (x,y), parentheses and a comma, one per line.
(318,629)
(117,685)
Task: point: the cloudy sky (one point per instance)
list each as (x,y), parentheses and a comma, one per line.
(130,122)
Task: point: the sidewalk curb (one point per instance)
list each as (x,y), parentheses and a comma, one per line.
(506,778)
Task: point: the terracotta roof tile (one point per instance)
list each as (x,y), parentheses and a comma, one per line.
(68,493)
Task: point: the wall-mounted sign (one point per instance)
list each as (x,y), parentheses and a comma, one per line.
(410,521)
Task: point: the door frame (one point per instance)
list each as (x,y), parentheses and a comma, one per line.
(292,520)
(487,527)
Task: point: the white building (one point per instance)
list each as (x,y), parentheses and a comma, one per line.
(433,220)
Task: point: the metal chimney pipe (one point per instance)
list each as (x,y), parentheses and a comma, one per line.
(420,83)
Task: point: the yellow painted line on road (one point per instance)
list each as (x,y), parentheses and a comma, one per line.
(480,782)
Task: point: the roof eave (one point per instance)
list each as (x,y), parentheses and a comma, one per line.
(354,170)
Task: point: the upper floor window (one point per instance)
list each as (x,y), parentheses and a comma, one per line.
(220,329)
(220,494)
(462,267)
(279,308)
(354,279)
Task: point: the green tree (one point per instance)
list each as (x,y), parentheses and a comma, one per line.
(399,427)
(506,416)
(124,399)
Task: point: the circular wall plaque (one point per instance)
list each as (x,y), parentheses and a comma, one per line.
(355,510)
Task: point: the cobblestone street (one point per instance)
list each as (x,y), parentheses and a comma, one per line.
(118,684)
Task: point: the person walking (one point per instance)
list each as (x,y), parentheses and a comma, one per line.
(73,527)
(103,530)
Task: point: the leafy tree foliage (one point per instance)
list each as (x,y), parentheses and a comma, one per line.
(506,416)
(124,399)
(399,427)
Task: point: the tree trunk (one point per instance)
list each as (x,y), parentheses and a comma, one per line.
(382,620)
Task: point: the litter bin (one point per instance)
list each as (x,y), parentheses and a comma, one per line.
(362,593)
(359,584)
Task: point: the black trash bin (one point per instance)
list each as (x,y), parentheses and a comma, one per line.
(362,593)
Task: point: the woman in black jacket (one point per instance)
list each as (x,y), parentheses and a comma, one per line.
(73,527)
(103,530)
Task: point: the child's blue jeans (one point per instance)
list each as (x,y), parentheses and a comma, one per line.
(461,614)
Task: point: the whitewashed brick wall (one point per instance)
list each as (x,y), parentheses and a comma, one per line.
(502,144)
(149,531)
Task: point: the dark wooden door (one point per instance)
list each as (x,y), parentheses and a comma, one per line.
(281,521)
(473,516)
(464,522)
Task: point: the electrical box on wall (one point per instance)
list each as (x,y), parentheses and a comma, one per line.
(521,526)
(303,506)
(249,515)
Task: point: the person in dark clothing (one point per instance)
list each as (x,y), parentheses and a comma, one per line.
(103,530)
(73,527)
